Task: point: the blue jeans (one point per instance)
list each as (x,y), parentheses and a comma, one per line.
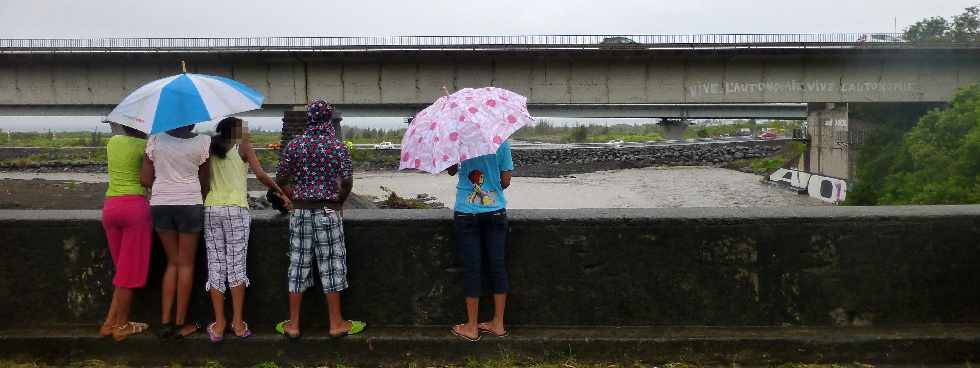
(477,236)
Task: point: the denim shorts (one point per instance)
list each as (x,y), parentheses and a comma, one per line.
(182,219)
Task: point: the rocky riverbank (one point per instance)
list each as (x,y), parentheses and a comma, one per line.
(554,163)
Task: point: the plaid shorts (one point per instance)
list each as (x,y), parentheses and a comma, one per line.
(226,240)
(318,232)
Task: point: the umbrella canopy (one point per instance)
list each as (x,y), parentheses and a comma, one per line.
(184,99)
(466,124)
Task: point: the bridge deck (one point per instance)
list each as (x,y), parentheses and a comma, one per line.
(519,42)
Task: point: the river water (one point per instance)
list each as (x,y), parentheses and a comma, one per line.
(654,187)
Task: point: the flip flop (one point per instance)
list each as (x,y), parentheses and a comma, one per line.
(356,327)
(106,330)
(484,330)
(215,338)
(121,332)
(281,329)
(246,332)
(464,337)
(166,331)
(178,334)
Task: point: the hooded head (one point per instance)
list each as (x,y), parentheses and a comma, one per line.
(319,112)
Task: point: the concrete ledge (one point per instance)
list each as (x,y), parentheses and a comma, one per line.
(936,344)
(829,266)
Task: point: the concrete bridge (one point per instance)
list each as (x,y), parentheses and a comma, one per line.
(685,76)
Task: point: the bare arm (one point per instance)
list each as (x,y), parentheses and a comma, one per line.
(248,153)
(505,179)
(345,185)
(146,172)
(204,176)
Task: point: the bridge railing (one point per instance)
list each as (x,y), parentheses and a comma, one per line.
(449,42)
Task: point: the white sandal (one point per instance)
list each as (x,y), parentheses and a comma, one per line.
(123,331)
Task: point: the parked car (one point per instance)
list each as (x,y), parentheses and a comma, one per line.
(768,136)
(384,145)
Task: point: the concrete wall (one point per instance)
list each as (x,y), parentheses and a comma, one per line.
(799,266)
(746,76)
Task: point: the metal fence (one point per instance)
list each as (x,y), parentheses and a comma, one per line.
(449,42)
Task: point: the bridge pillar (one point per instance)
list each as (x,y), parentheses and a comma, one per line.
(831,148)
(673,128)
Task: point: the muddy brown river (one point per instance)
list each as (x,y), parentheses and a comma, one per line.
(655,187)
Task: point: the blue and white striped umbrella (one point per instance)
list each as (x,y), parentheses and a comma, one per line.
(182,100)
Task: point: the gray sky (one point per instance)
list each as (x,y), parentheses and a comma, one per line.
(121,18)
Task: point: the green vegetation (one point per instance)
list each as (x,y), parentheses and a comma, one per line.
(780,126)
(936,162)
(261,138)
(375,157)
(52,139)
(545,131)
(372,136)
(761,166)
(56,159)
(964,27)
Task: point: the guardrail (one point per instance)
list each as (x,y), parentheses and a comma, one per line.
(447,42)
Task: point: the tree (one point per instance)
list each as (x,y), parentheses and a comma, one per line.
(964,27)
(928,30)
(938,161)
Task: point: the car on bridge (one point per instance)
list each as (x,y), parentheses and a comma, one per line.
(615,143)
(880,37)
(618,41)
(384,145)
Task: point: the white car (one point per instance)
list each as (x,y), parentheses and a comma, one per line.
(880,37)
(384,145)
(615,143)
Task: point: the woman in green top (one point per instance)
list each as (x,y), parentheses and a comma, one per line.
(128,229)
(227,221)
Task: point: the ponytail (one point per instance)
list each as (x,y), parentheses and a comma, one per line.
(220,142)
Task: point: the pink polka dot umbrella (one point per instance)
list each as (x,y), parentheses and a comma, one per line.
(466,124)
